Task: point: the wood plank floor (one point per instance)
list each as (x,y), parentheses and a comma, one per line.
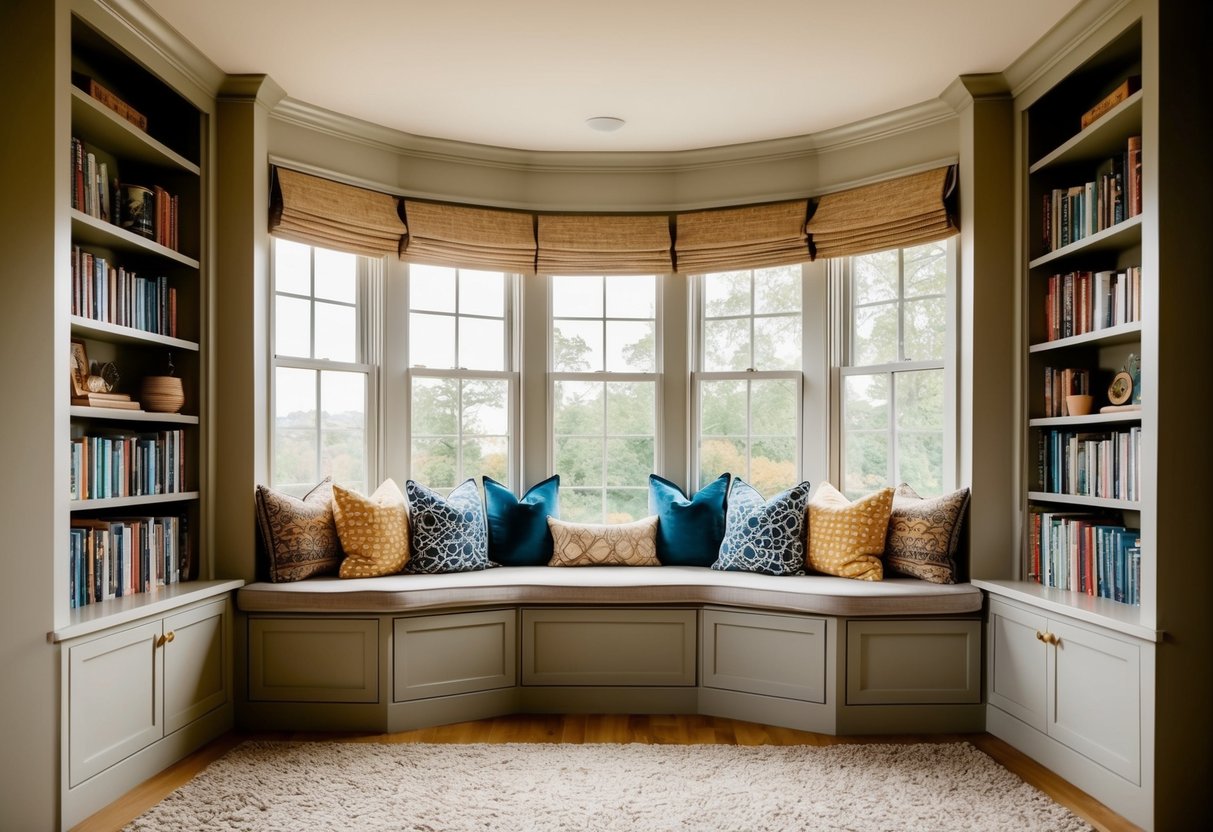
(583,728)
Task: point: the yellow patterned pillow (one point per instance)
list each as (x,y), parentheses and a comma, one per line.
(593,544)
(374,530)
(845,538)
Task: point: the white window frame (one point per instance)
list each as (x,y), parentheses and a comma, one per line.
(841,274)
(368,344)
(461,374)
(605,376)
(699,375)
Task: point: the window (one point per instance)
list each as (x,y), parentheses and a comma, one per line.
(748,377)
(322,369)
(894,377)
(462,382)
(605,359)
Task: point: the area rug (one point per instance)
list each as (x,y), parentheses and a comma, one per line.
(276,787)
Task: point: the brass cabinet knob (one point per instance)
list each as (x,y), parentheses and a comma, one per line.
(1041,637)
(1053,639)
(169,636)
(160,640)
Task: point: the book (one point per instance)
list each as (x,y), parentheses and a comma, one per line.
(89,400)
(116,104)
(1123,90)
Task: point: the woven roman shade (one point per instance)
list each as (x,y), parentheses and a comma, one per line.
(751,237)
(899,212)
(607,244)
(320,212)
(471,238)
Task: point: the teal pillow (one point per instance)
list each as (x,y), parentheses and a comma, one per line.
(689,532)
(518,529)
(765,536)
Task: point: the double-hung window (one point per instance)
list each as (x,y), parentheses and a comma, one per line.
(323,367)
(462,376)
(748,379)
(894,376)
(605,357)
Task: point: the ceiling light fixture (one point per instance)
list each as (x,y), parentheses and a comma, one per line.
(605,124)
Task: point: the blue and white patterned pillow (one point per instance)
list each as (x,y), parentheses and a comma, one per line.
(446,535)
(764,536)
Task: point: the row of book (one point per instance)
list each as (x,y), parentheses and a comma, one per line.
(113,558)
(1091,464)
(103,292)
(125,465)
(149,211)
(1060,383)
(1080,302)
(1070,214)
(1085,553)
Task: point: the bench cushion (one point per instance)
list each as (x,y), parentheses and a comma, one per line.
(607,585)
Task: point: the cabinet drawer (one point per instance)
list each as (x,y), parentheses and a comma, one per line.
(439,655)
(913,662)
(771,655)
(314,659)
(608,647)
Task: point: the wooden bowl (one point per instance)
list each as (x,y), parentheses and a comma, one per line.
(162,394)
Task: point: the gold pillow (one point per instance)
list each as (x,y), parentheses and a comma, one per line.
(925,533)
(594,544)
(845,538)
(374,530)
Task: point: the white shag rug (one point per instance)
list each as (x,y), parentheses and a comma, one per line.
(281,787)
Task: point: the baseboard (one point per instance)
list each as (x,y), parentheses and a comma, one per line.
(607,700)
(767,710)
(911,719)
(444,710)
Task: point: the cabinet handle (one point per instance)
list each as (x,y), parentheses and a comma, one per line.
(170,635)
(1053,639)
(160,640)
(1042,637)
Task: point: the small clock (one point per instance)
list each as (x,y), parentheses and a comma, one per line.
(1121,388)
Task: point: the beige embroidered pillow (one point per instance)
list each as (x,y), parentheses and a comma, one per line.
(845,538)
(924,534)
(374,530)
(299,536)
(593,544)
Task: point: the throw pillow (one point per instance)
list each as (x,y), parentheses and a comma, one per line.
(299,536)
(924,534)
(518,529)
(597,544)
(845,538)
(449,534)
(689,531)
(374,530)
(765,536)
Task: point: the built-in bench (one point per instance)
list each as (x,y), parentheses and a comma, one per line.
(813,652)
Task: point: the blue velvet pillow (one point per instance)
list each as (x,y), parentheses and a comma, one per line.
(446,535)
(764,536)
(518,529)
(688,531)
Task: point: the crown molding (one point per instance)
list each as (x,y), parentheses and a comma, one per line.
(348,128)
(989,86)
(1055,44)
(168,44)
(259,89)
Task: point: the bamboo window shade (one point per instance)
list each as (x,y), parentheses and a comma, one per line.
(321,212)
(753,236)
(467,237)
(899,212)
(573,244)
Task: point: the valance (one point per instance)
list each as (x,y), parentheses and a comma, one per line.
(899,212)
(321,212)
(604,244)
(466,237)
(750,237)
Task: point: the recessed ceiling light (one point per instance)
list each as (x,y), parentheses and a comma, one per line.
(605,124)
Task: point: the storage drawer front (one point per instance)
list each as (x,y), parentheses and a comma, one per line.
(439,655)
(608,647)
(771,655)
(195,664)
(913,662)
(313,660)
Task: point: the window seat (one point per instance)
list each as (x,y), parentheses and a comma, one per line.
(611,585)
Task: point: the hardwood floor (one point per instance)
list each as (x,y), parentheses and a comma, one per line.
(622,728)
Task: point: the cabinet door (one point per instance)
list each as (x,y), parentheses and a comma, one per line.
(1096,682)
(771,655)
(115,699)
(1017,664)
(195,664)
(440,655)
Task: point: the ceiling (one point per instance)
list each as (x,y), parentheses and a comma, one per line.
(683,74)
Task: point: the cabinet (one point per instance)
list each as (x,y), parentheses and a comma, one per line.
(138,696)
(1075,684)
